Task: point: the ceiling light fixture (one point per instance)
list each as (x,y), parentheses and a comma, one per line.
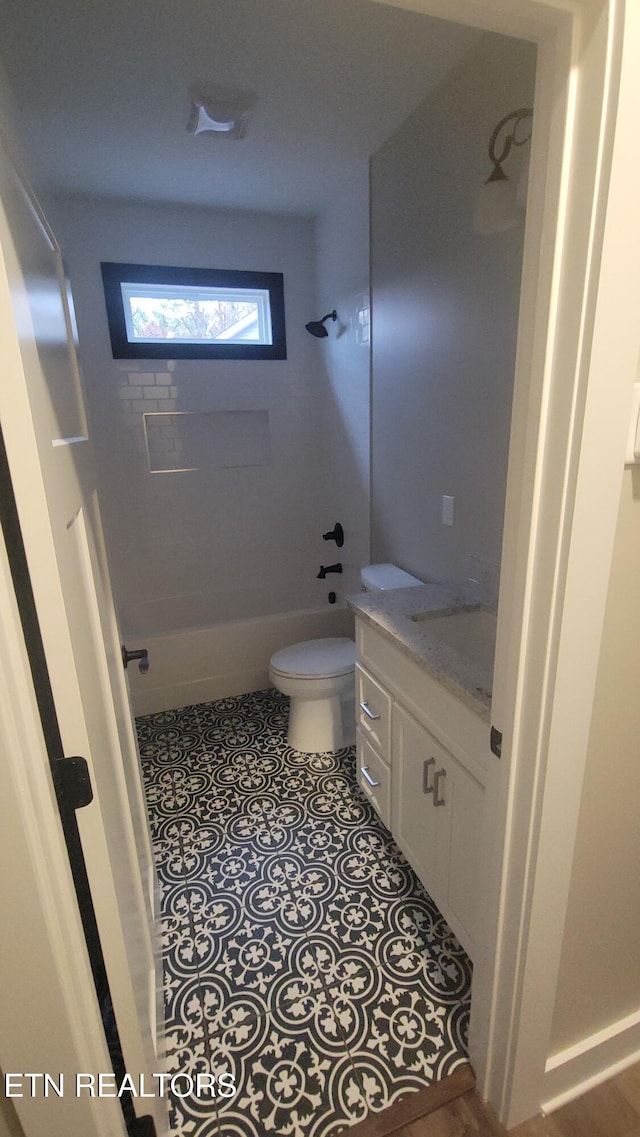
(219,113)
(498,207)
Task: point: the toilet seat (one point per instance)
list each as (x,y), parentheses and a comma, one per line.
(315,659)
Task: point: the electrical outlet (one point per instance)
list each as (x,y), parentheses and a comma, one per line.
(448,506)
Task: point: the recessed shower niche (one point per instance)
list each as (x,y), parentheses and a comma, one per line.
(180,441)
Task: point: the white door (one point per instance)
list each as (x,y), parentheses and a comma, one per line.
(50,456)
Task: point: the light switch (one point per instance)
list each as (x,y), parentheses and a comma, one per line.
(448,505)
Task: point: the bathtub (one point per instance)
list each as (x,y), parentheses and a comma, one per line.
(199,664)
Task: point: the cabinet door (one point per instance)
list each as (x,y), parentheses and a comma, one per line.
(437,822)
(416,821)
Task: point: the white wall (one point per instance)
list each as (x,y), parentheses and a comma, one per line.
(445,306)
(343,359)
(193,549)
(599,978)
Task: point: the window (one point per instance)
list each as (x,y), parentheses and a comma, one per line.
(157,312)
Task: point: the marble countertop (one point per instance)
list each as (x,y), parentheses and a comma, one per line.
(468,674)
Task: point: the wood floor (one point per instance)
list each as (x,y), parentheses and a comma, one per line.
(609,1110)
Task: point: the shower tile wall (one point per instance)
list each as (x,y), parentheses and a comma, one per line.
(196,548)
(301,954)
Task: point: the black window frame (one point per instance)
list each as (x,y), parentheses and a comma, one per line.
(115,273)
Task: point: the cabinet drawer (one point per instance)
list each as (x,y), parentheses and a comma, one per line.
(373,711)
(371,768)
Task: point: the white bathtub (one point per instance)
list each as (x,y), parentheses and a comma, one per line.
(198,665)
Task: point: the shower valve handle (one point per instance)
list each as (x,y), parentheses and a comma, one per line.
(336,534)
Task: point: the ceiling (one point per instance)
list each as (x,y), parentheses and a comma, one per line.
(103,93)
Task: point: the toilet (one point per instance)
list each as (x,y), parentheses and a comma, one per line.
(319,677)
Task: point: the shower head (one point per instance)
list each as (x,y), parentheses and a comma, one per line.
(317,328)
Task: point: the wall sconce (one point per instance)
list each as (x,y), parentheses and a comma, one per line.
(499,207)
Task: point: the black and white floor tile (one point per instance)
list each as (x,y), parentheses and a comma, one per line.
(302,956)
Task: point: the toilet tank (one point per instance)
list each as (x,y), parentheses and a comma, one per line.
(379,578)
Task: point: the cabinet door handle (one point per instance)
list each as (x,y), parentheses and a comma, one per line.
(426,788)
(368,712)
(364,770)
(436,787)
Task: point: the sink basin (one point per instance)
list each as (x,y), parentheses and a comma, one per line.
(470,631)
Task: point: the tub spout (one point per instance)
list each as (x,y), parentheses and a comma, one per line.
(326,569)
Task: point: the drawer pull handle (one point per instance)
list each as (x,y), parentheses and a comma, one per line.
(426,788)
(436,787)
(364,770)
(368,712)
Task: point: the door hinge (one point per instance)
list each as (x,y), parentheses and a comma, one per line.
(73,781)
(495,742)
(145,1126)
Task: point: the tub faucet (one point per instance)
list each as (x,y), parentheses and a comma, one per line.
(325,569)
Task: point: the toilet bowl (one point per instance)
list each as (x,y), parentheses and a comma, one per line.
(319,677)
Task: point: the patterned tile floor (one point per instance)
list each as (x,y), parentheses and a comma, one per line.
(301,954)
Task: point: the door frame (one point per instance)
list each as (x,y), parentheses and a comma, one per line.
(573,392)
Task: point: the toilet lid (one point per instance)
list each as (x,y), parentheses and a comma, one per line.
(316,659)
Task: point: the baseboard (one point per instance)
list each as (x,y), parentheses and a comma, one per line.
(416,1105)
(571,1072)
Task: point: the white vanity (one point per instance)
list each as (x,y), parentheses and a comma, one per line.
(423,696)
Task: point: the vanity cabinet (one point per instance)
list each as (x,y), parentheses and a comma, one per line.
(421,760)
